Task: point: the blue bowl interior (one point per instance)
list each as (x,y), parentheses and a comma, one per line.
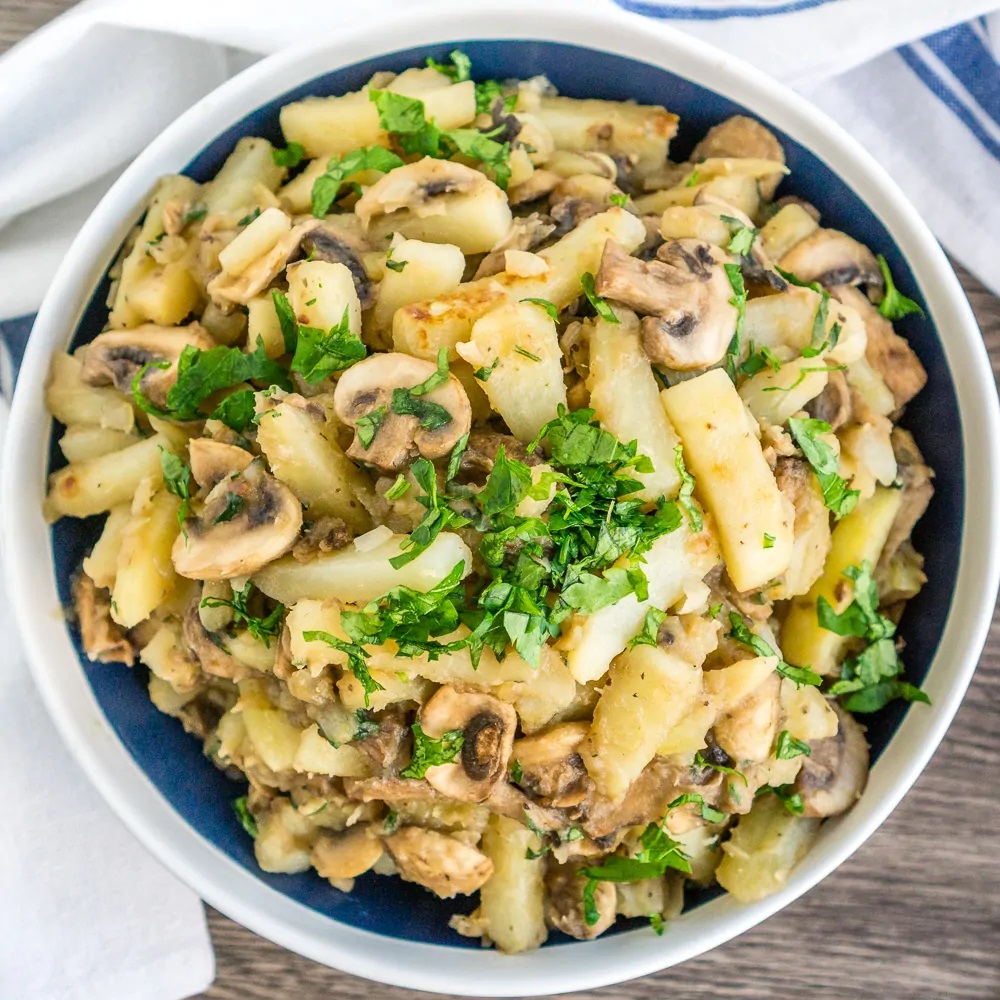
(174,762)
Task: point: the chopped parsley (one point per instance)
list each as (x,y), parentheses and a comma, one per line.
(368,425)
(460,69)
(249,217)
(261,629)
(739,300)
(871,679)
(708,813)
(686,495)
(656,922)
(366,725)
(430,416)
(405,119)
(320,353)
(701,760)
(823,459)
(742,634)
(743,236)
(549,307)
(438,517)
(429,751)
(768,541)
(455,458)
(618,200)
(391,822)
(788,747)
(291,156)
(177,480)
(326,187)
(792,801)
(202,373)
(758,360)
(488,92)
(237,410)
(516,771)
(245,817)
(646,636)
(234,506)
(395,265)
(483,374)
(895,305)
(195,212)
(601,306)
(356,660)
(526,354)
(399,488)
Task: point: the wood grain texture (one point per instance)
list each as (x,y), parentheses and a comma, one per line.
(914,915)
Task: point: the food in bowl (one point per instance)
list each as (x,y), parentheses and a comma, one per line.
(516,510)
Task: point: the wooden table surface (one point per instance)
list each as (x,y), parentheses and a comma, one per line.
(913,915)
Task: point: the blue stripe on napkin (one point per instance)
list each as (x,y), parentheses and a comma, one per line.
(14,335)
(960,102)
(965,53)
(690,12)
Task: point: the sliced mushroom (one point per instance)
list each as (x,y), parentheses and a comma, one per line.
(487,726)
(833,258)
(833,404)
(390,790)
(835,773)
(327,534)
(213,461)
(685,296)
(885,350)
(437,196)
(443,864)
(742,138)
(384,748)
(569,213)
(103,639)
(263,527)
(758,271)
(917,492)
(369,387)
(793,199)
(525,233)
(340,246)
(347,854)
(811,531)
(551,770)
(227,290)
(565,908)
(538,185)
(116,357)
(481,452)
(209,648)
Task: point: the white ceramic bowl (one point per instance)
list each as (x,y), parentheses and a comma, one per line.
(218,878)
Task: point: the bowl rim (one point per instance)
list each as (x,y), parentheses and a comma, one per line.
(216,877)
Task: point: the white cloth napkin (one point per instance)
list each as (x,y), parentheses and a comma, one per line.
(85,914)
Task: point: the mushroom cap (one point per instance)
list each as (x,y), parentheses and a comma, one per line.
(264,528)
(340,246)
(685,296)
(835,773)
(834,258)
(741,137)
(417,187)
(212,461)
(564,908)
(117,356)
(369,385)
(552,769)
(487,725)
(443,864)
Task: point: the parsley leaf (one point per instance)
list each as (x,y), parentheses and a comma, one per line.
(508,482)
(708,813)
(789,747)
(489,92)
(326,187)
(792,801)
(368,425)
(658,852)
(234,505)
(656,922)
(399,488)
(356,657)
(646,636)
(245,817)
(618,200)
(821,456)
(460,69)
(600,305)
(395,265)
(438,517)
(758,360)
(261,629)
(291,156)
(195,212)
(739,300)
(742,634)
(202,373)
(743,236)
(768,541)
(429,752)
(237,410)
(286,320)
(483,374)
(686,495)
(526,354)
(549,307)
(701,760)
(798,282)
(576,440)
(177,480)
(455,458)
(439,377)
(870,680)
(895,305)
(430,415)
(319,354)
